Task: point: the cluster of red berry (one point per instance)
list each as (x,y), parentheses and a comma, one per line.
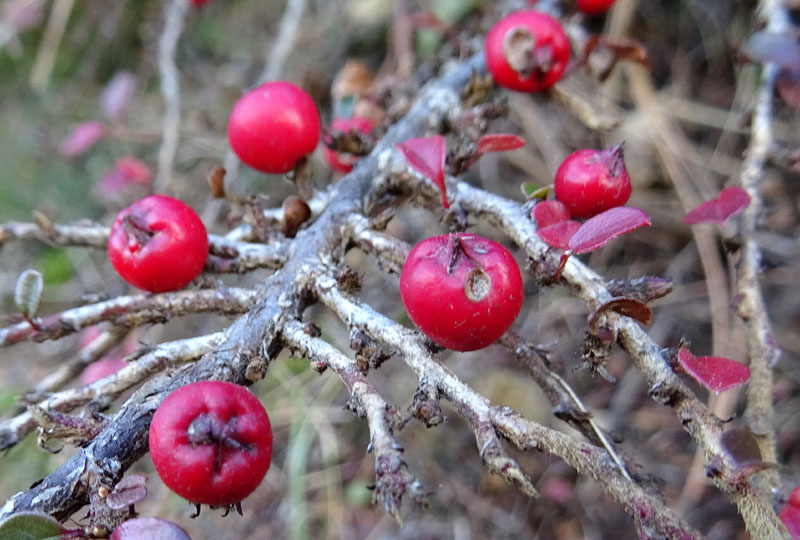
(211,442)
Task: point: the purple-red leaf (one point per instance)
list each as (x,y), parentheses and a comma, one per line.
(128,491)
(117,95)
(426,156)
(730,201)
(549,212)
(604,227)
(558,234)
(715,373)
(499,142)
(82,137)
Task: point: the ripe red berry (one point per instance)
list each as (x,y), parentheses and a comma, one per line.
(342,161)
(211,442)
(592,181)
(527,51)
(271,127)
(461,290)
(593,7)
(158,244)
(149,528)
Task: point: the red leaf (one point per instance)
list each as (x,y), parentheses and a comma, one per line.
(499,142)
(715,373)
(558,234)
(791,518)
(730,201)
(82,137)
(426,156)
(604,227)
(549,212)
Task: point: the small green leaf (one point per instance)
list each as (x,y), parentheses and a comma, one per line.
(28,293)
(532,191)
(29,526)
(56,266)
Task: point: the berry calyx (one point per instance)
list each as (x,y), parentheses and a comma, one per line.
(592,181)
(461,290)
(158,244)
(343,161)
(273,126)
(527,51)
(211,442)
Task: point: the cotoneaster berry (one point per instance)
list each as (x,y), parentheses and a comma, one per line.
(461,290)
(593,7)
(211,442)
(149,528)
(273,126)
(527,51)
(341,161)
(592,181)
(158,244)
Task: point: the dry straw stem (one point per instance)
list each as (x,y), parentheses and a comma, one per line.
(174,17)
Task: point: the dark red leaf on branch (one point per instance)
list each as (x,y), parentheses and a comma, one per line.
(715,373)
(549,212)
(558,234)
(499,142)
(625,306)
(604,227)
(426,156)
(730,201)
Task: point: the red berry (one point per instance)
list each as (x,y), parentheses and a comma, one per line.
(594,7)
(794,498)
(343,162)
(592,181)
(527,51)
(790,516)
(149,528)
(211,442)
(199,3)
(273,126)
(461,290)
(158,244)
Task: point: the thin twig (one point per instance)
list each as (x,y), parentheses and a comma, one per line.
(762,349)
(130,311)
(392,477)
(109,388)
